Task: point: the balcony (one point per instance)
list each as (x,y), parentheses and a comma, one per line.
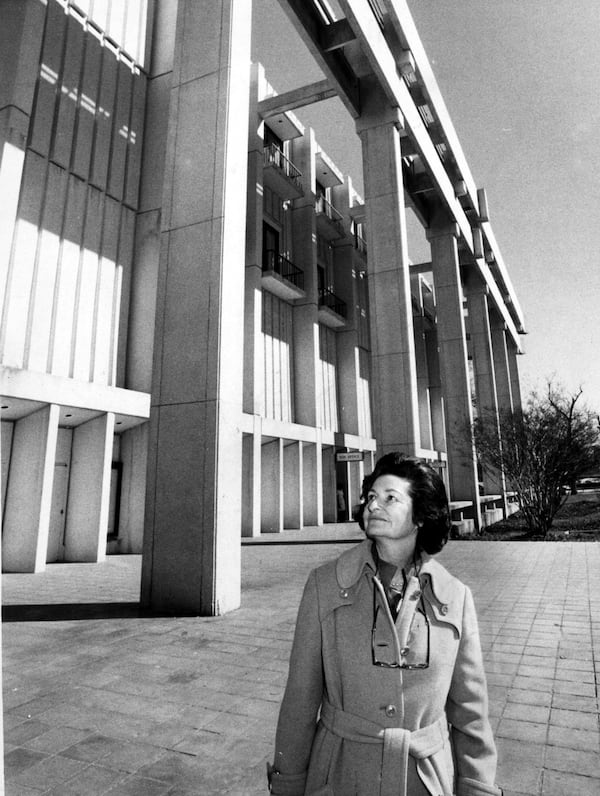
(332,310)
(330,222)
(281,277)
(280,174)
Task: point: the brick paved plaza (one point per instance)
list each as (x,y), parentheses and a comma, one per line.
(99,699)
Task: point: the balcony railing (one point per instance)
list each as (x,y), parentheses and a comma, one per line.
(327,298)
(325,207)
(273,261)
(273,156)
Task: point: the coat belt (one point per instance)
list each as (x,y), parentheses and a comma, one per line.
(398,744)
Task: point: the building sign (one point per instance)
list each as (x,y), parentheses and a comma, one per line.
(351,456)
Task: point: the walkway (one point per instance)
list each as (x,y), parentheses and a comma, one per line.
(100,700)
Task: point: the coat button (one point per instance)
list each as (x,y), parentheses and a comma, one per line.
(404,650)
(443,610)
(391,711)
(343,593)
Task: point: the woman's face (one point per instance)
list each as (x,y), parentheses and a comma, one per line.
(389,510)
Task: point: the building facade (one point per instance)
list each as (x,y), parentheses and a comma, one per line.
(206,332)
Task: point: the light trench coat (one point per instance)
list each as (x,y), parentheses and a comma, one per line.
(350,728)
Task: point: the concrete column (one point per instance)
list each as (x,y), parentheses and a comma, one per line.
(329,484)
(193,507)
(454,368)
(501,366)
(304,255)
(436,397)
(89,490)
(395,403)
(421,325)
(251,482)
(312,474)
(272,486)
(29,494)
(347,339)
(483,371)
(254,364)
(134,456)
(292,485)
(515,384)
(144,280)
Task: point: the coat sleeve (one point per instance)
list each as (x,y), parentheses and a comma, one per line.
(467,711)
(301,701)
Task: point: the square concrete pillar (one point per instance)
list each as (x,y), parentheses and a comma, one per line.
(272,486)
(348,373)
(251,483)
(395,402)
(483,371)
(515,383)
(501,364)
(134,456)
(425,426)
(436,397)
(292,485)
(29,493)
(329,484)
(454,366)
(192,553)
(89,490)
(312,495)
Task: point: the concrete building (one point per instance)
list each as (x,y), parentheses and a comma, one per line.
(206,332)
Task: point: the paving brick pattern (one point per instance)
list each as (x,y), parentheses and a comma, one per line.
(99,699)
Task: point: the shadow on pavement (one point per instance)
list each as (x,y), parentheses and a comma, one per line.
(67,611)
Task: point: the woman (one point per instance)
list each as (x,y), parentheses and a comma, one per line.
(386,694)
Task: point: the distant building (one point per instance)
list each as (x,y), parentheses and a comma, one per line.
(169,228)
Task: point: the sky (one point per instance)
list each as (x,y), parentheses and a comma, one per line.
(521,82)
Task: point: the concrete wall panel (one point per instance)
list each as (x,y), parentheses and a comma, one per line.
(69,94)
(88,280)
(22,266)
(104,119)
(88,108)
(105,295)
(121,131)
(121,310)
(49,84)
(47,269)
(66,296)
(135,140)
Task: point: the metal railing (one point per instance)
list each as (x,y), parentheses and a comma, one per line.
(327,298)
(273,261)
(327,209)
(273,156)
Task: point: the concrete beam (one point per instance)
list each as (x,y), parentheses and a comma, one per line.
(296,98)
(310,27)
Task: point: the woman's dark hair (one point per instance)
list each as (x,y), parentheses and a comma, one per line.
(428,493)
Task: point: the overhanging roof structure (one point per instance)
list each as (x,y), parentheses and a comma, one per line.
(377,41)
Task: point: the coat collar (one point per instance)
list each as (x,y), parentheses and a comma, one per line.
(352,563)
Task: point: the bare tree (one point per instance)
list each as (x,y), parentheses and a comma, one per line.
(542,450)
